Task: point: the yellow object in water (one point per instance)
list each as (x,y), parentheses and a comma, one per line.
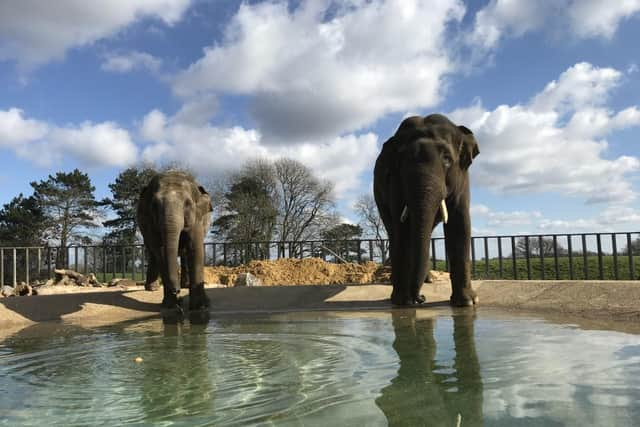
(138,359)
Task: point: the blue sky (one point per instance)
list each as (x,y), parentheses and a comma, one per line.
(551,89)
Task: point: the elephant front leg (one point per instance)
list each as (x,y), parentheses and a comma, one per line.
(151,281)
(458,241)
(195,260)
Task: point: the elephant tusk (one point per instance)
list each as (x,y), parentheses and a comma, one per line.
(405,214)
(445,213)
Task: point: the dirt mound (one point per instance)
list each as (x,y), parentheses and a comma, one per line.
(308,271)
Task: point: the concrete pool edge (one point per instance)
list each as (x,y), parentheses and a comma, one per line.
(605,300)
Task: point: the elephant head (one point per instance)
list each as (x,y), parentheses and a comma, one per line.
(421,179)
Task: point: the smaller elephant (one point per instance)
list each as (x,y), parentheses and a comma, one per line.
(174,213)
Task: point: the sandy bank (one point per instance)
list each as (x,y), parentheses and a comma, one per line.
(617,302)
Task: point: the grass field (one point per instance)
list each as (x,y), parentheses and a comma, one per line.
(567,270)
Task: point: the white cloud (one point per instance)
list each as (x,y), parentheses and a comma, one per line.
(596,18)
(582,19)
(312,77)
(613,218)
(101,144)
(530,148)
(208,149)
(505,219)
(124,62)
(15,129)
(34,32)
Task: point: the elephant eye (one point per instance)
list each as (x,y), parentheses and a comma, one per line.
(446,161)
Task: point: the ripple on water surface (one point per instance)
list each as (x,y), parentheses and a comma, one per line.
(399,368)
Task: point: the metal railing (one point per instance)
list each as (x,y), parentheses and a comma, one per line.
(584,256)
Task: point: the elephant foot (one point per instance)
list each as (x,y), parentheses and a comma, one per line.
(171,300)
(466,298)
(408,301)
(153,286)
(198,299)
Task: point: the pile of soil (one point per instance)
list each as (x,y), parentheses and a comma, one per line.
(307,271)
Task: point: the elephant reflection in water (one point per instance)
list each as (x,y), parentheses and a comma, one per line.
(426,391)
(176,378)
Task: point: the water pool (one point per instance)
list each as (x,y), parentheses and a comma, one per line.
(400,367)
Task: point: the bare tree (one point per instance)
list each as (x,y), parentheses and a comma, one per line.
(370,221)
(304,201)
(535,248)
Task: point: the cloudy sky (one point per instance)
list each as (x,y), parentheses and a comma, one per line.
(550,88)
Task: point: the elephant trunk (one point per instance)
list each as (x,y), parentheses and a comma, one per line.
(426,203)
(172,228)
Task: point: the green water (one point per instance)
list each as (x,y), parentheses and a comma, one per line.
(323,369)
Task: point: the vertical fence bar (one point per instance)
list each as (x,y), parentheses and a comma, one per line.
(600,269)
(526,256)
(614,248)
(541,243)
(433,254)
(26,264)
(630,255)
(104,263)
(585,260)
(513,257)
(224,254)
(124,261)
(2,268)
(500,266)
(15,281)
(473,257)
(39,262)
(48,262)
(143,263)
(214,254)
(555,256)
(486,257)
(570,250)
(85,261)
(75,260)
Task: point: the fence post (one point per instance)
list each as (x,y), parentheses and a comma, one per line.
(585,267)
(433,254)
(614,248)
(2,268)
(500,267)
(513,258)
(541,243)
(486,257)
(26,264)
(555,256)
(15,282)
(39,262)
(600,272)
(570,249)
(526,255)
(473,258)
(630,255)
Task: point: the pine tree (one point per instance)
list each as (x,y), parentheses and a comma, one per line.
(124,201)
(69,206)
(22,222)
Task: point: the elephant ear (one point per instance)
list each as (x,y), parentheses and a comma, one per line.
(468,148)
(204,203)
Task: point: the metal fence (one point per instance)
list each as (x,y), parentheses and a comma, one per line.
(585,256)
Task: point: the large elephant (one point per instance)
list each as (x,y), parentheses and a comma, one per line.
(174,213)
(421,178)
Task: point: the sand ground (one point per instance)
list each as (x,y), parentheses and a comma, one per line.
(593,304)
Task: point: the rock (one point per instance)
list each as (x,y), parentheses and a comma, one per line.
(8,291)
(438,276)
(247,279)
(23,289)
